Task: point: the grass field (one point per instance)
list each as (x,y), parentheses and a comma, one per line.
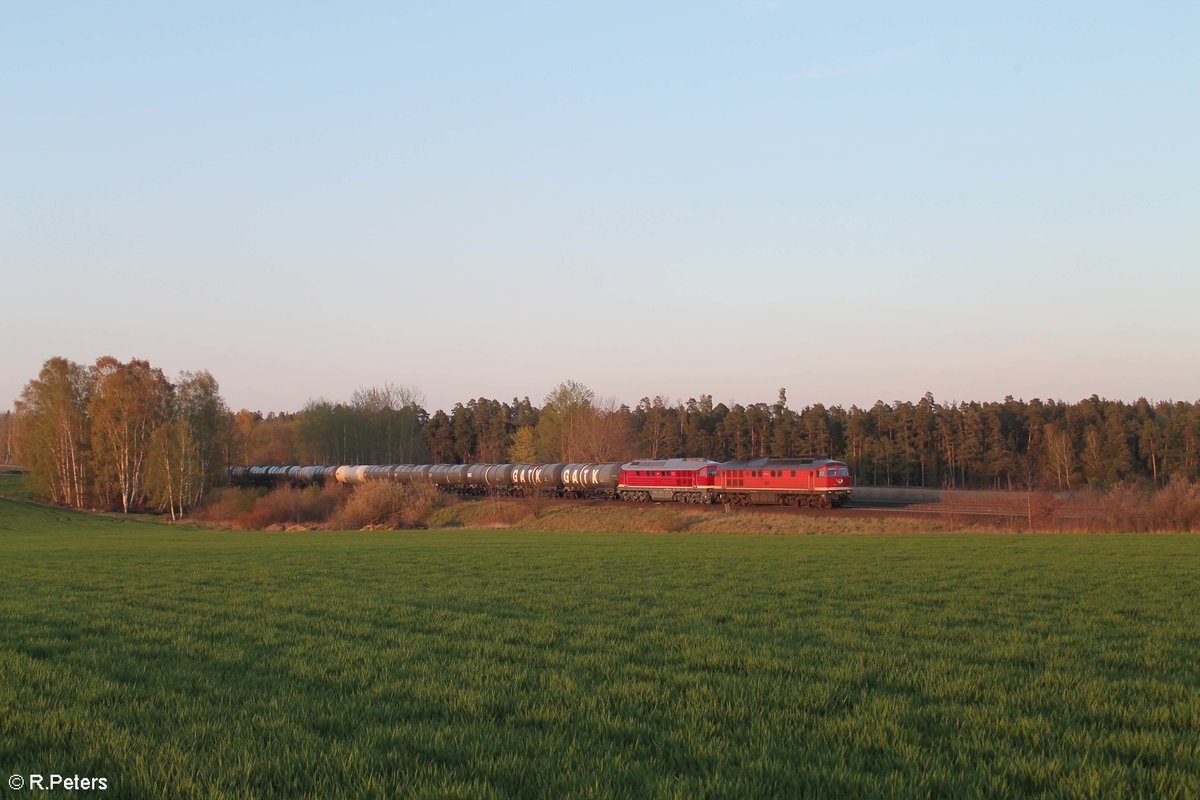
(189,663)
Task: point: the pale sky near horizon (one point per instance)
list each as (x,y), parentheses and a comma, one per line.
(480,199)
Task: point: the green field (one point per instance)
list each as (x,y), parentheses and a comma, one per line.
(192,663)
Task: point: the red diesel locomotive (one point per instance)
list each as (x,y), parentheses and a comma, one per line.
(811,482)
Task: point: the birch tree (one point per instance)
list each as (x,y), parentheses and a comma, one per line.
(53,437)
(187,451)
(8,435)
(128,403)
(174,475)
(206,422)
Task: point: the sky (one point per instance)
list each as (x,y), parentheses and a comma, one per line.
(853,201)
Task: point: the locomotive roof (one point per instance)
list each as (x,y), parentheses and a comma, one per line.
(670,463)
(780,463)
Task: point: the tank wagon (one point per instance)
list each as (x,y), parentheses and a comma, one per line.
(808,482)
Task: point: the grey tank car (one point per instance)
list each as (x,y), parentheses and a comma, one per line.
(551,480)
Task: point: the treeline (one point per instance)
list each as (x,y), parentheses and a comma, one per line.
(1012,444)
(122,435)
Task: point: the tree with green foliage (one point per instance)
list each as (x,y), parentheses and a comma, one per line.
(562,418)
(524,446)
(439,438)
(128,403)
(54,437)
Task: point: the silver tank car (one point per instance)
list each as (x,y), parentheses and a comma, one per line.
(440,475)
(475,477)
(312,474)
(420,474)
(499,477)
(379,472)
(352,475)
(543,477)
(458,475)
(591,478)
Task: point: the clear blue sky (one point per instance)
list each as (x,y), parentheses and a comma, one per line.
(857,202)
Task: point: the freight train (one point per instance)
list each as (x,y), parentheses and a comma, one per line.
(809,482)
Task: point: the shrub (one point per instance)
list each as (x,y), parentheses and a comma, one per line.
(535,504)
(313,504)
(1175,507)
(387,505)
(223,505)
